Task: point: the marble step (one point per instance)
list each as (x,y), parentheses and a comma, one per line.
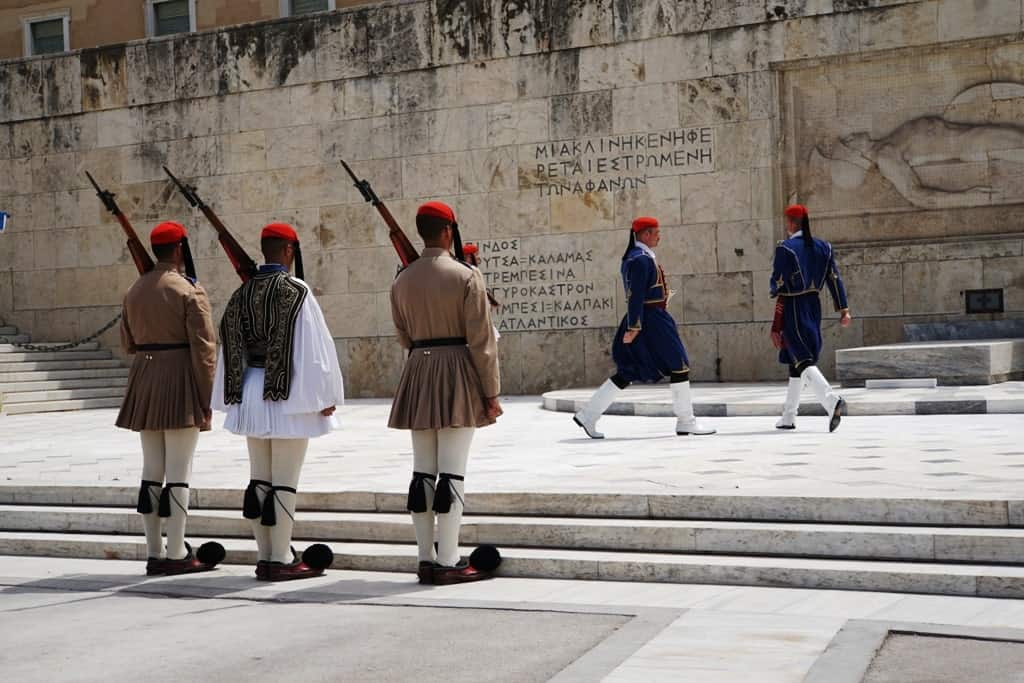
(118,381)
(927,544)
(16,339)
(59,365)
(952,363)
(948,511)
(12,398)
(44,356)
(112,373)
(60,406)
(8,330)
(901,577)
(9,348)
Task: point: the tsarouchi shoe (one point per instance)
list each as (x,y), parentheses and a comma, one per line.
(425,571)
(289,571)
(261,569)
(463,572)
(154,566)
(837,415)
(186,565)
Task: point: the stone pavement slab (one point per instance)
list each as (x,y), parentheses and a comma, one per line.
(699,633)
(765,399)
(971,457)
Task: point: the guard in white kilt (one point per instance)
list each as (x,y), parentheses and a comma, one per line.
(166,324)
(279,382)
(449,387)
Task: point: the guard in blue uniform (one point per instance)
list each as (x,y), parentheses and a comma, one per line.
(803,267)
(647,346)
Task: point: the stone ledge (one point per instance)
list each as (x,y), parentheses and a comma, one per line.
(952,363)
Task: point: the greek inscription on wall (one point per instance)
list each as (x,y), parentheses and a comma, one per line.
(621,162)
(545,289)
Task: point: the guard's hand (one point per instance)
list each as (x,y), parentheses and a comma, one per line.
(844,318)
(327,412)
(493,408)
(630,336)
(777,340)
(207,420)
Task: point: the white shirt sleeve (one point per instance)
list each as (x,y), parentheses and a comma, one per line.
(217,400)
(316,375)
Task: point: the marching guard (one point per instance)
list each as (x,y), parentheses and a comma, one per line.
(804,265)
(166,324)
(279,382)
(449,388)
(647,346)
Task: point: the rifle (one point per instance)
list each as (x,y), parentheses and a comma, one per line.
(242,263)
(143,261)
(406,252)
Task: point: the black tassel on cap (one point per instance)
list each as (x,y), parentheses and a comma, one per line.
(299,273)
(417,501)
(460,255)
(631,245)
(145,502)
(445,492)
(190,266)
(251,507)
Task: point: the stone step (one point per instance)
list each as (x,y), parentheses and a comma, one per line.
(952,363)
(59,406)
(119,381)
(948,511)
(6,330)
(112,373)
(18,397)
(45,356)
(58,365)
(920,544)
(14,339)
(9,348)
(961,579)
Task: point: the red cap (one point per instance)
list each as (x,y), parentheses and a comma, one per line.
(469,248)
(437,210)
(167,232)
(643,223)
(797,211)
(280,230)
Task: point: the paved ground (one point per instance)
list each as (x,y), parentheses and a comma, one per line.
(52,610)
(921,659)
(765,399)
(532,449)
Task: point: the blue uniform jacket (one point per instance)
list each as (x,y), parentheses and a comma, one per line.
(657,351)
(798,276)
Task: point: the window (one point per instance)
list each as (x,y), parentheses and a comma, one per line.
(292,7)
(47,35)
(165,17)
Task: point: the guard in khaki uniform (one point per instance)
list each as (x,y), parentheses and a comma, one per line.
(166,323)
(449,387)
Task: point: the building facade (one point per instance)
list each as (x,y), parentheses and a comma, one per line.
(548,125)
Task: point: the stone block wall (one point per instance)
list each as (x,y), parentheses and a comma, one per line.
(548,125)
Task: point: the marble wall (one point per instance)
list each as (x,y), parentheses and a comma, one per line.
(548,125)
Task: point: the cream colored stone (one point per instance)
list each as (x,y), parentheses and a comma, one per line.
(515,123)
(371,270)
(713,100)
(451,130)
(746,353)
(745,246)
(743,145)
(245,152)
(749,48)
(959,20)
(104,79)
(33,212)
(724,297)
(341,46)
(645,108)
(821,36)
(18,179)
(55,172)
(399,37)
(63,92)
(901,26)
(582,212)
(553,359)
(578,23)
(290,147)
(350,315)
(265,109)
(188,158)
(581,115)
(931,287)
(676,58)
(56,249)
(517,213)
(1007,274)
(35,289)
(487,83)
(684,250)
(701,344)
(710,197)
(119,127)
(150,72)
(431,175)
(488,170)
(658,198)
(611,66)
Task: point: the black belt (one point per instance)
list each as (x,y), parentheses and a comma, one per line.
(441,341)
(160,347)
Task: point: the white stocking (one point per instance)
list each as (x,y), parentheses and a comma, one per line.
(180,446)
(153,470)
(259,468)
(452,456)
(424,459)
(286,460)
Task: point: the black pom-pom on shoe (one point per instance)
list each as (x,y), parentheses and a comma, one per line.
(318,556)
(211,553)
(485,558)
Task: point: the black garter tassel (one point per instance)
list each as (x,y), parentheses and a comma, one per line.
(251,508)
(165,498)
(417,501)
(445,493)
(145,504)
(269,507)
